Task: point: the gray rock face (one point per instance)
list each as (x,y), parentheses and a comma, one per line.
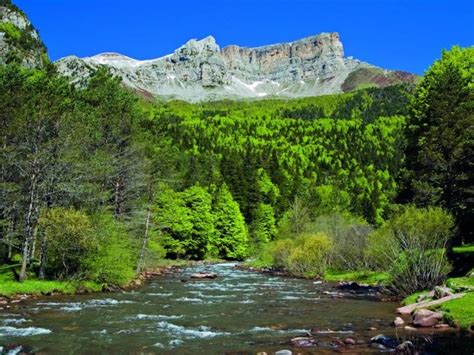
(201,70)
(29,51)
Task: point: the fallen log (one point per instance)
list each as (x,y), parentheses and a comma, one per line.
(406,310)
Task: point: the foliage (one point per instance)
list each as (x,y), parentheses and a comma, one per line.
(263,227)
(68,235)
(414,245)
(12,32)
(440,138)
(349,236)
(231,240)
(186,221)
(309,257)
(113,261)
(280,252)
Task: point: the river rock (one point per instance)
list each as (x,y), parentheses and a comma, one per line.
(427,318)
(284,352)
(398,322)
(304,342)
(442,326)
(442,291)
(406,347)
(410,328)
(385,341)
(203,275)
(349,341)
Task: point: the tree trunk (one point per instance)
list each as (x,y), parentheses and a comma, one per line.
(43,256)
(145,240)
(29,226)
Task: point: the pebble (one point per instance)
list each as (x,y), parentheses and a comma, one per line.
(349,341)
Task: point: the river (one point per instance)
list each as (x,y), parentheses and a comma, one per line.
(239,312)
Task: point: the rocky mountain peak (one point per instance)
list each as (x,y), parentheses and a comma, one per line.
(19,40)
(201,70)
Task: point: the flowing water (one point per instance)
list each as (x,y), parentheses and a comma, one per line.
(237,312)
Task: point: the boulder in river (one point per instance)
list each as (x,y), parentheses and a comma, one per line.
(427,318)
(203,275)
(385,341)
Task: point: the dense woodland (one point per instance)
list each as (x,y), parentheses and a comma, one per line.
(99,184)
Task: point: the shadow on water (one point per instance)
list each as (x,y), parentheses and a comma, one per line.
(239,312)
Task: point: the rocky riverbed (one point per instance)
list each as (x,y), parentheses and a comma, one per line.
(237,311)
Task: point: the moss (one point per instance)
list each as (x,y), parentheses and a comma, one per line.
(367,277)
(460,312)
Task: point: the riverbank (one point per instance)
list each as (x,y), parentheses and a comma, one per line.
(12,291)
(457,313)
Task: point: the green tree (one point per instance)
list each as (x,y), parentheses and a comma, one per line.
(231,238)
(67,239)
(441,135)
(263,226)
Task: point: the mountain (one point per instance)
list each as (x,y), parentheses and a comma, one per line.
(201,70)
(19,40)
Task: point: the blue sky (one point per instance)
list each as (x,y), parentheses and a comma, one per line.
(394,34)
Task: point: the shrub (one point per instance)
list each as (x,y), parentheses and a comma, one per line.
(413,246)
(280,251)
(309,257)
(66,237)
(113,261)
(349,236)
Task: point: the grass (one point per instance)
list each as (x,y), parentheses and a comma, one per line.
(10,287)
(412,298)
(367,277)
(460,312)
(468,248)
(461,283)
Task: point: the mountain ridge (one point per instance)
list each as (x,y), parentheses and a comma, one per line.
(201,70)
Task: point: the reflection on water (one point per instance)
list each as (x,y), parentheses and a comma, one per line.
(239,311)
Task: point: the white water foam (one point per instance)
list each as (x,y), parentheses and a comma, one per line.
(199,332)
(23,332)
(154,317)
(14,321)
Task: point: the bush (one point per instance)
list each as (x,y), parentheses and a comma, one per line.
(349,236)
(413,245)
(280,251)
(309,257)
(113,261)
(66,236)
